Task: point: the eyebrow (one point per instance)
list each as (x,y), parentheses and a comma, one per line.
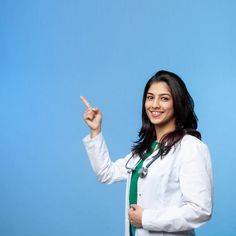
(161,94)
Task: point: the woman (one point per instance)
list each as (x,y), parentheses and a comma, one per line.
(169,177)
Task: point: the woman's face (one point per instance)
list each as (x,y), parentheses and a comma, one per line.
(159,106)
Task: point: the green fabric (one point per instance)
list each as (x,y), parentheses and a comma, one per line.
(134,181)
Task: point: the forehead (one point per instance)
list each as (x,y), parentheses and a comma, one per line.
(159,88)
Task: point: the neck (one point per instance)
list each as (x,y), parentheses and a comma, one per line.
(162,131)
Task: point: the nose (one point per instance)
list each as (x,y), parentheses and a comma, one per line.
(155,103)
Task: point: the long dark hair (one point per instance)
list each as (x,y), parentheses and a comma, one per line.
(185,117)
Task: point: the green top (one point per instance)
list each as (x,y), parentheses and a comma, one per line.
(134,181)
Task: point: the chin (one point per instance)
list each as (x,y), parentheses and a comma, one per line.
(156,122)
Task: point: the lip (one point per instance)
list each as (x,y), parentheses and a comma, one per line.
(156,114)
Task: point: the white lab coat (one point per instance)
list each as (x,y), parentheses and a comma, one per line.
(176,195)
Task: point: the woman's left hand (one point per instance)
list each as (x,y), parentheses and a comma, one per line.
(135,215)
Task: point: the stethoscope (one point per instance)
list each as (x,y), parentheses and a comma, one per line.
(144,170)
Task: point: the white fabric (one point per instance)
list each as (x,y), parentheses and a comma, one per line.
(176,195)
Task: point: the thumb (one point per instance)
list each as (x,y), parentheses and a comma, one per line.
(96,110)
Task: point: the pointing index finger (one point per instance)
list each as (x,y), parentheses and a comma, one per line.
(85,102)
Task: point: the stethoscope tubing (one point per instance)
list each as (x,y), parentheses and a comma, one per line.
(144,170)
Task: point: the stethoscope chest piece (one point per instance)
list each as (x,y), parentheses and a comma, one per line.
(143,172)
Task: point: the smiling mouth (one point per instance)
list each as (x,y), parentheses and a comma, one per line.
(156,113)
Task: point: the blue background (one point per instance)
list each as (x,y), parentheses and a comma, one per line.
(52,51)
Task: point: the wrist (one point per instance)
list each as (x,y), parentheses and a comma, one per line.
(95,132)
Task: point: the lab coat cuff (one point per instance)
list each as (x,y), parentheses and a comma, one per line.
(88,140)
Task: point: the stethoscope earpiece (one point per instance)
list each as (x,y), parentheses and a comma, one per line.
(130,171)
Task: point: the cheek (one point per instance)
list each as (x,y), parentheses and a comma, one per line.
(170,108)
(172,112)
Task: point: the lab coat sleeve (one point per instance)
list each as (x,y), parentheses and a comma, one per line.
(105,170)
(195,178)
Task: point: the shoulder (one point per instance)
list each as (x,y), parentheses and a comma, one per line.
(192,141)
(190,146)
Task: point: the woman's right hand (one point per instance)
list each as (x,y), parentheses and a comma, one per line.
(92,117)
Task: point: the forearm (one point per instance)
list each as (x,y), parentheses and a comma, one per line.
(174,219)
(105,170)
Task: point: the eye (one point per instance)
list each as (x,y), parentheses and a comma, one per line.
(165,99)
(149,97)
